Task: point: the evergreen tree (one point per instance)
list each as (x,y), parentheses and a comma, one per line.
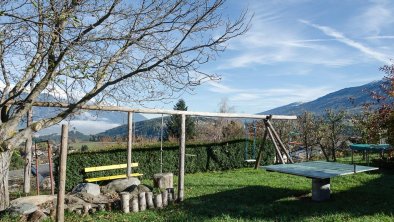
(175,121)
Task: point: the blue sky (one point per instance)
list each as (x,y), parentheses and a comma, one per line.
(297,50)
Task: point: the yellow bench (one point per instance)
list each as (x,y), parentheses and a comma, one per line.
(110,167)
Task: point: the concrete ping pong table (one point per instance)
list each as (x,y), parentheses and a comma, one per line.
(320,172)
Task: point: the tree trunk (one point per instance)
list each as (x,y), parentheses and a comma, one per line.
(5,159)
(324,153)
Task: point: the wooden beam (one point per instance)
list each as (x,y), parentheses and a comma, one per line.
(163,111)
(129,143)
(280,142)
(50,167)
(275,145)
(109,167)
(28,156)
(62,174)
(114,177)
(181,175)
(260,155)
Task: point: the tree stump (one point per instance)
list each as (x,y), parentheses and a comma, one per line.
(142,201)
(134,204)
(125,202)
(149,200)
(164,195)
(163,180)
(158,201)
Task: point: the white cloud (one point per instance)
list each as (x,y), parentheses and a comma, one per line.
(375,18)
(349,42)
(268,98)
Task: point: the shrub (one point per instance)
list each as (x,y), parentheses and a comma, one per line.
(200,157)
(17,161)
(84,148)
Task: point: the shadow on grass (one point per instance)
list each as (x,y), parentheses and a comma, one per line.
(268,203)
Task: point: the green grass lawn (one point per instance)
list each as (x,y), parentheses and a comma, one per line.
(257,195)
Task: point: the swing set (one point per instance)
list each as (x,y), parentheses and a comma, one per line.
(253,148)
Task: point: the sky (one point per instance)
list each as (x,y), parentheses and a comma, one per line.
(296,51)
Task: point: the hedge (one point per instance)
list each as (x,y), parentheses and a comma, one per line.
(200,157)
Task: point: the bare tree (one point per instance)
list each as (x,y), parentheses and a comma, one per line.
(308,131)
(100,51)
(330,132)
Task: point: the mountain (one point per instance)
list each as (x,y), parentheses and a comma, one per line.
(350,99)
(150,128)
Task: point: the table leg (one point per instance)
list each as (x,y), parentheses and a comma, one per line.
(352,155)
(321,189)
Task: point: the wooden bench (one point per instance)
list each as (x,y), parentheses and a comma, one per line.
(110,167)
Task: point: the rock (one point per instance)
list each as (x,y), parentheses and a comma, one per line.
(71,199)
(34,200)
(85,197)
(135,190)
(37,216)
(22,208)
(89,188)
(163,180)
(144,188)
(46,183)
(121,185)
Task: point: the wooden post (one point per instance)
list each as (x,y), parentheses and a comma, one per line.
(142,201)
(62,174)
(280,142)
(164,198)
(181,179)
(275,145)
(28,157)
(158,201)
(134,204)
(37,174)
(149,200)
(125,202)
(260,155)
(50,167)
(129,143)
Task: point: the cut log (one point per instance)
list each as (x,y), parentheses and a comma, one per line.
(125,202)
(149,200)
(142,201)
(134,204)
(163,180)
(164,196)
(158,201)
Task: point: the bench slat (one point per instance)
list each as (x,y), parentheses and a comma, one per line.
(109,167)
(111,177)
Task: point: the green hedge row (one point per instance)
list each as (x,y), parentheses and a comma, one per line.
(199,158)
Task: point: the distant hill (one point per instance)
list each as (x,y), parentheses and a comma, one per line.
(150,128)
(72,135)
(350,99)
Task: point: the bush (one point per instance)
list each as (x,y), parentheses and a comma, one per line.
(200,157)
(84,148)
(17,161)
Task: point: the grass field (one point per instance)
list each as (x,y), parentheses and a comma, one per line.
(257,195)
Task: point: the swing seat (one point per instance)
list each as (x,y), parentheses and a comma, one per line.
(250,160)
